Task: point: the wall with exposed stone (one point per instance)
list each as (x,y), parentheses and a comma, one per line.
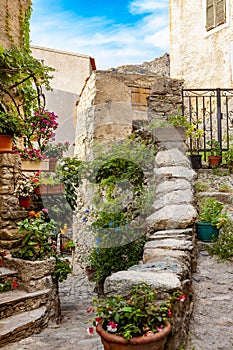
(12,15)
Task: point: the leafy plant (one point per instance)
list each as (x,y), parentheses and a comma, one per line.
(62,269)
(139,314)
(70,178)
(56,150)
(215,147)
(223,246)
(178,120)
(37,242)
(194,133)
(211,211)
(10,124)
(201,186)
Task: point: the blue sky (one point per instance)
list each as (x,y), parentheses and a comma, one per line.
(115,32)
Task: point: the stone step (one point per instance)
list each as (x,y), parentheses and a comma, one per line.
(5,272)
(17,301)
(23,325)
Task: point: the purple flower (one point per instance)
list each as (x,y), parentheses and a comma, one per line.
(45,210)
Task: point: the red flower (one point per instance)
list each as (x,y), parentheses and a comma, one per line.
(3,253)
(182,297)
(90,330)
(169,313)
(14,284)
(98,319)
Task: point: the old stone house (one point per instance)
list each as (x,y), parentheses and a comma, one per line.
(201,42)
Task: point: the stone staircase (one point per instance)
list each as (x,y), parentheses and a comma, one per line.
(170,253)
(23,312)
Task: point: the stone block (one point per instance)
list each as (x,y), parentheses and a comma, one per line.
(122,281)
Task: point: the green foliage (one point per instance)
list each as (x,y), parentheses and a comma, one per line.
(105,261)
(10,124)
(137,315)
(70,179)
(62,269)
(211,211)
(178,120)
(224,188)
(215,147)
(36,244)
(223,246)
(201,186)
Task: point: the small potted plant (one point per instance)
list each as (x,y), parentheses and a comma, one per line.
(215,156)
(55,152)
(136,322)
(194,134)
(10,127)
(211,218)
(23,190)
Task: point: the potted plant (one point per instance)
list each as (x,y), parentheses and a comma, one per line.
(215,156)
(23,190)
(10,126)
(194,133)
(55,152)
(211,219)
(136,322)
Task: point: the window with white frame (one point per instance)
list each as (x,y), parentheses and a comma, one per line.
(215,13)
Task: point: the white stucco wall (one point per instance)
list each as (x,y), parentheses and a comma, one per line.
(69,77)
(203,59)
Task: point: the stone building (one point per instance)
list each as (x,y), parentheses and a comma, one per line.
(71,72)
(108,105)
(201,42)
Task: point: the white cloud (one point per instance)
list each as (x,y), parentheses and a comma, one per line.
(147,6)
(109,43)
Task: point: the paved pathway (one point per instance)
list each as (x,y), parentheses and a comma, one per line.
(211,326)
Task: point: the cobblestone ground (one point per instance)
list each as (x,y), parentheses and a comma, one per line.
(76,294)
(211,327)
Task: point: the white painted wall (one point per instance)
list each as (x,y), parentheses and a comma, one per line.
(203,59)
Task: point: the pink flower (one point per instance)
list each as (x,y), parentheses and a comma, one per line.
(90,330)
(112,326)
(45,210)
(182,297)
(159,329)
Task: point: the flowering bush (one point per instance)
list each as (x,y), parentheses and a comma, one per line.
(24,188)
(35,179)
(56,150)
(37,243)
(29,153)
(138,315)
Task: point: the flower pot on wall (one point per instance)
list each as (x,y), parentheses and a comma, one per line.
(34,165)
(206,232)
(5,143)
(24,202)
(52,164)
(151,342)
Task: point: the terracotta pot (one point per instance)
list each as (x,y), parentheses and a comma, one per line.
(52,164)
(5,143)
(214,161)
(151,342)
(24,202)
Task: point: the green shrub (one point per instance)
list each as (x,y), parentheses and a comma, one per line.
(223,246)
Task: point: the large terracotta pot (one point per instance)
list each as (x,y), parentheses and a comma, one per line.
(151,342)
(5,143)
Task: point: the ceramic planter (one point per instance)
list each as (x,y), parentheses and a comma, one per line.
(5,143)
(24,202)
(52,164)
(206,232)
(151,342)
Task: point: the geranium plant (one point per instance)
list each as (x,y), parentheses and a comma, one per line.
(141,314)
(24,188)
(56,150)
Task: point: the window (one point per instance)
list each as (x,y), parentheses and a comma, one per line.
(139,97)
(215,13)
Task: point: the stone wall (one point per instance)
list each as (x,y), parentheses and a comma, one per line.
(10,212)
(12,16)
(105,111)
(165,99)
